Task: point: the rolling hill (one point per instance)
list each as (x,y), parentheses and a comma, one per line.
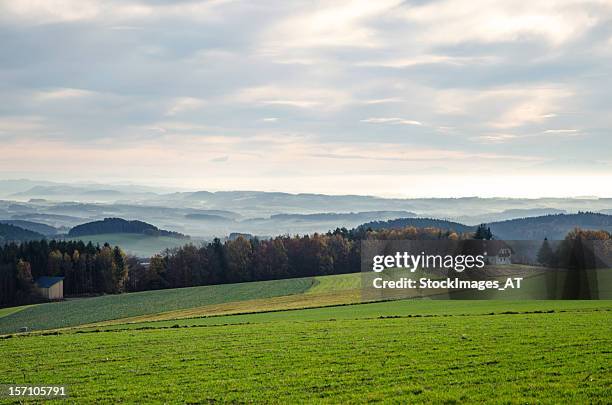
(549,226)
(552,227)
(108,307)
(44,229)
(119,225)
(12,233)
(418,223)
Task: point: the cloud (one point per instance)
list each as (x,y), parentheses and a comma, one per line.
(488,21)
(561,131)
(392,121)
(21,124)
(394,86)
(342,23)
(66,11)
(496,138)
(183,104)
(505,137)
(298,97)
(62,94)
(429,60)
(220,159)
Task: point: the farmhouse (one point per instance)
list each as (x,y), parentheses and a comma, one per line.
(495,252)
(52,288)
(498,252)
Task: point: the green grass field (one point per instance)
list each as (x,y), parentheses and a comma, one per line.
(199,302)
(463,351)
(89,310)
(11,310)
(136,244)
(337,282)
(418,308)
(310,340)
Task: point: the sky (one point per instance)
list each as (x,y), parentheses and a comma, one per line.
(392,98)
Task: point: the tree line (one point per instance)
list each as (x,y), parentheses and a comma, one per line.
(87,269)
(574,251)
(93,269)
(577,254)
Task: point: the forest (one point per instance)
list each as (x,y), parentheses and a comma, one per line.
(90,269)
(119,225)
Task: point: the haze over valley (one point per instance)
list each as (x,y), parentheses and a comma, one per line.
(54,208)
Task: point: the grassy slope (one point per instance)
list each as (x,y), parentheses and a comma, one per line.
(280,303)
(338,282)
(400,308)
(560,357)
(223,300)
(136,244)
(191,302)
(7,311)
(90,310)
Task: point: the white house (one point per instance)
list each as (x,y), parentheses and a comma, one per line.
(502,255)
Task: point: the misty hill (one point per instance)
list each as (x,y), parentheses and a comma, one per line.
(309,223)
(350,216)
(217,214)
(506,215)
(549,226)
(54,220)
(207,217)
(553,227)
(419,223)
(119,225)
(50,191)
(78,192)
(259,203)
(12,233)
(43,229)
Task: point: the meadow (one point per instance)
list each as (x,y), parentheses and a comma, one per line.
(411,351)
(79,311)
(310,340)
(248,298)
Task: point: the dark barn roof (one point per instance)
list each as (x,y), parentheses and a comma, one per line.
(478,247)
(46,282)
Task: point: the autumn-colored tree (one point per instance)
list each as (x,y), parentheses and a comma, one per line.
(120,270)
(54,263)
(24,276)
(157,272)
(239,254)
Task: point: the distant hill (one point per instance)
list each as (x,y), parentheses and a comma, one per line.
(44,229)
(553,227)
(549,226)
(418,223)
(351,216)
(12,233)
(207,217)
(119,225)
(506,215)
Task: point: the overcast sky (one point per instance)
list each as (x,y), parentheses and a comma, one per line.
(414,98)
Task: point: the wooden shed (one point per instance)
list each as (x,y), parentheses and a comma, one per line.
(52,288)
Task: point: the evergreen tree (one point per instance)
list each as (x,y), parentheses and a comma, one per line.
(483,232)
(545,254)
